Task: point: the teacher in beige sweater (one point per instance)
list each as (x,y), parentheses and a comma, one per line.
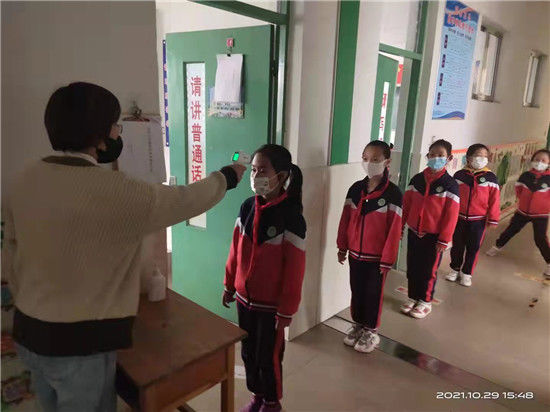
(73,233)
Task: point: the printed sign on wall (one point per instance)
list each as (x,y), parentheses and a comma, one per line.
(458,38)
(196,129)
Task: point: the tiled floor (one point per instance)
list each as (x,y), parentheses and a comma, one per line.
(321,374)
(489,330)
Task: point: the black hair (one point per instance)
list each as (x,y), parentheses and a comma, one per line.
(386,148)
(444,144)
(281,160)
(539,152)
(80,115)
(475,147)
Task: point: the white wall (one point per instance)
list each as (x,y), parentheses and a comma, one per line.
(311,71)
(526,26)
(46,45)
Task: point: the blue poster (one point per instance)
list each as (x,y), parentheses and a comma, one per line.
(458,38)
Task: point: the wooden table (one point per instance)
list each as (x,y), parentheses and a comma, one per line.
(180,350)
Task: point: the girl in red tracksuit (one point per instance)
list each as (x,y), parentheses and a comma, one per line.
(265,270)
(430,209)
(533,193)
(479,208)
(370,230)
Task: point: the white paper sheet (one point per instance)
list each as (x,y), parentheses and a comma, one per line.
(228,78)
(143,154)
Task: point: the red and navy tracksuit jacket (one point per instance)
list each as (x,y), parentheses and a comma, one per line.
(266,262)
(370,229)
(265,268)
(431,205)
(430,209)
(479,195)
(533,192)
(479,206)
(370,226)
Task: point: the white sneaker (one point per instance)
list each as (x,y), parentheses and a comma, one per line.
(493,251)
(353,335)
(421,310)
(547,272)
(408,306)
(452,275)
(465,280)
(368,342)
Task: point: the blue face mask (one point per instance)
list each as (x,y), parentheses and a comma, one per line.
(437,163)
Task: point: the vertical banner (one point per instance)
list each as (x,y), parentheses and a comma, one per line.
(383,109)
(165,88)
(196,131)
(458,38)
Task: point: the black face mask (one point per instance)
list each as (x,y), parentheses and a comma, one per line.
(114,148)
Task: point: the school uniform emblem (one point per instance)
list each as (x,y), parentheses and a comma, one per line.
(271,231)
(544,185)
(381,202)
(482,179)
(439,189)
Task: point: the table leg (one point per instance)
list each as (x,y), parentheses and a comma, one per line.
(228,385)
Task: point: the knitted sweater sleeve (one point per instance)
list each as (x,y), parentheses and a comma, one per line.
(170,205)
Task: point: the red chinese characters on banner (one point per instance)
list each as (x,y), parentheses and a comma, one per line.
(196,173)
(196,110)
(197,154)
(196,131)
(196,83)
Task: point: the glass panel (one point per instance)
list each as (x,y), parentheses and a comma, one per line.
(490,66)
(399,23)
(486,64)
(264,4)
(530,84)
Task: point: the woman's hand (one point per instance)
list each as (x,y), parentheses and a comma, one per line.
(227,298)
(342,254)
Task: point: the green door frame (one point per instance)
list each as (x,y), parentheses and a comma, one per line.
(280,19)
(345,70)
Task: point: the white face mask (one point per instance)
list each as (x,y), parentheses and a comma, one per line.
(479,162)
(374,169)
(261,185)
(539,166)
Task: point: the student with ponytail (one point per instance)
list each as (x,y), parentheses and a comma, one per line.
(265,270)
(369,234)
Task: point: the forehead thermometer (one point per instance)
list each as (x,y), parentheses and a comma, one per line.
(241,158)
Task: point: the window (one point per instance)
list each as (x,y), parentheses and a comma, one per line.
(529,95)
(485,71)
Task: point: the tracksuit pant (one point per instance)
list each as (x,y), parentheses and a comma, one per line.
(468,237)
(423,260)
(262,352)
(540,226)
(367,292)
